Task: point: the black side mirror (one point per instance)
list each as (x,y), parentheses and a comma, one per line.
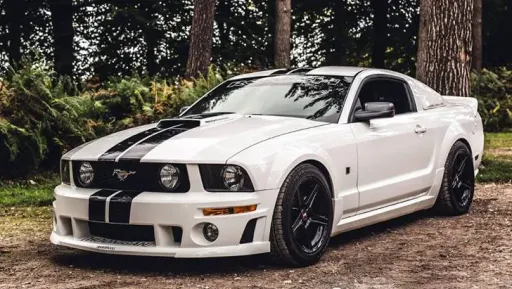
(183,109)
(374,110)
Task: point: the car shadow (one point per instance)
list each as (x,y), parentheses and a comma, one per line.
(164,266)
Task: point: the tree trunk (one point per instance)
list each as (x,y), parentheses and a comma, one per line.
(445,45)
(14,12)
(380,31)
(340,30)
(477,36)
(282,37)
(201,38)
(150,37)
(271,26)
(223,15)
(62,22)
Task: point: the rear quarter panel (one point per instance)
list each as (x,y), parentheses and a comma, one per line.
(455,122)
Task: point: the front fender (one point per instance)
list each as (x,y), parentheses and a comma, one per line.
(269,163)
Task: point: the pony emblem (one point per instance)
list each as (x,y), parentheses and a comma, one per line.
(122,174)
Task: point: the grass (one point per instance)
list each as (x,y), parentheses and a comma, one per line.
(496,164)
(38,191)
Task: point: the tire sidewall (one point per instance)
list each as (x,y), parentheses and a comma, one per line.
(459,147)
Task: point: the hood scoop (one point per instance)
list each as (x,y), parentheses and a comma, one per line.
(183,123)
(189,123)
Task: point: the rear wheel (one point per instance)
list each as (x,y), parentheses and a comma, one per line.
(458,187)
(302,221)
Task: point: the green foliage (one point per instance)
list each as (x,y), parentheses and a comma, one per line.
(37,118)
(42,116)
(493,89)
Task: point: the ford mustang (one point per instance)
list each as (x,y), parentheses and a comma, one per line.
(275,162)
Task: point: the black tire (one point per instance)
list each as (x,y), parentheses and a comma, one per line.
(290,246)
(458,187)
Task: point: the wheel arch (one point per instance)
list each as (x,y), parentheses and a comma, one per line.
(466,142)
(454,134)
(323,169)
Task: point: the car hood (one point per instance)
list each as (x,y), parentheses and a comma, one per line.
(208,140)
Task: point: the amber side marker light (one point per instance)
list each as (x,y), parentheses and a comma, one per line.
(229,211)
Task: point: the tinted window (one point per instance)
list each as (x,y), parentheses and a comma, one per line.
(388,91)
(312,97)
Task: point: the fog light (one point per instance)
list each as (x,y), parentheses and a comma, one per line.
(210,232)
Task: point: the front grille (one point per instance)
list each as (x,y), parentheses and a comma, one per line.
(117,232)
(144,177)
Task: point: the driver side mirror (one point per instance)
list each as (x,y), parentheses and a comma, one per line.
(183,109)
(374,110)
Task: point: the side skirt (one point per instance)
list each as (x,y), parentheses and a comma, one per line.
(393,211)
(384,214)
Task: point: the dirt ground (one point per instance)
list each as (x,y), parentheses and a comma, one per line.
(416,251)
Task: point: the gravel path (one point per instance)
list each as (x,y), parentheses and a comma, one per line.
(416,251)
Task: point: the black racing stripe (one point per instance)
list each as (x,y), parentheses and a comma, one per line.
(119,148)
(120,206)
(97,205)
(141,149)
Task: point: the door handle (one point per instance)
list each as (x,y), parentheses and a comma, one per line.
(419,129)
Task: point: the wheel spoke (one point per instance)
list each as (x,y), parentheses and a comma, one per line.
(320,220)
(466,185)
(461,167)
(297,224)
(312,196)
(455,182)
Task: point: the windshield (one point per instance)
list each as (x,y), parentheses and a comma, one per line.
(306,96)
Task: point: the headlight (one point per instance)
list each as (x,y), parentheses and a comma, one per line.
(233,178)
(64,172)
(225,178)
(169,177)
(85,174)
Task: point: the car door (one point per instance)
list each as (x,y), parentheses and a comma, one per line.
(393,156)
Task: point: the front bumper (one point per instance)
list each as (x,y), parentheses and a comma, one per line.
(164,212)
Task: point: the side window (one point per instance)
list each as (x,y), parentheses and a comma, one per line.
(386,90)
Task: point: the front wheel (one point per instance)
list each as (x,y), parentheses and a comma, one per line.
(302,221)
(458,187)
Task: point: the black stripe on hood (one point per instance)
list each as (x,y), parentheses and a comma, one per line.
(141,149)
(119,148)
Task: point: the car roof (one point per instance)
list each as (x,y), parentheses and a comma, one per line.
(325,70)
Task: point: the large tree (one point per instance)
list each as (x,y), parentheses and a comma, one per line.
(282,36)
(201,38)
(380,31)
(150,34)
(340,30)
(62,22)
(445,45)
(477,35)
(14,11)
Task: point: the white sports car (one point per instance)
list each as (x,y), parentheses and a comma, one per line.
(272,162)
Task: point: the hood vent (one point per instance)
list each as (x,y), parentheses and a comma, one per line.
(183,123)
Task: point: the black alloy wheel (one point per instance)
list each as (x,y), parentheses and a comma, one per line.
(458,187)
(302,221)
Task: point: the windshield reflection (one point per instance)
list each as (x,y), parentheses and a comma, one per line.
(313,97)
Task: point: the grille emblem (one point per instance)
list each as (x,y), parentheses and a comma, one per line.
(122,174)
